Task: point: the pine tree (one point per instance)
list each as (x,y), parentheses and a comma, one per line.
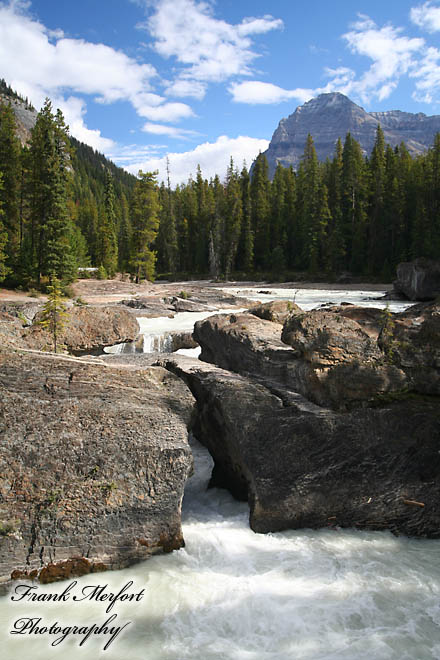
(145,222)
(107,252)
(354,204)
(4,270)
(167,234)
(245,252)
(233,218)
(260,211)
(48,250)
(377,231)
(54,312)
(10,167)
(336,247)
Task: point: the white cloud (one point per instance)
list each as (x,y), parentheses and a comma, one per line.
(257,92)
(186,88)
(171,131)
(426,16)
(428,76)
(213,158)
(168,112)
(206,48)
(393,55)
(45,63)
(210,48)
(75,64)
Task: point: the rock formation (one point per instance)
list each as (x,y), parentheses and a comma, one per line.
(86,329)
(301,465)
(93,460)
(331,116)
(419,279)
(340,427)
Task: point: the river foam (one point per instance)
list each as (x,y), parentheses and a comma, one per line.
(231,594)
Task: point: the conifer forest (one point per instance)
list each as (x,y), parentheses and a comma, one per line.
(64,206)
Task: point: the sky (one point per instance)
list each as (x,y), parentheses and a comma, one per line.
(196,82)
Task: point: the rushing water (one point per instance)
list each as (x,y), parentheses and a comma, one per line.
(156,332)
(308,299)
(231,594)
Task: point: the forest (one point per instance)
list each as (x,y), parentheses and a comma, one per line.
(64,206)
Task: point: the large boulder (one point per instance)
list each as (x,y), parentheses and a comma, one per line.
(411,341)
(86,329)
(331,360)
(419,279)
(93,463)
(277,311)
(302,466)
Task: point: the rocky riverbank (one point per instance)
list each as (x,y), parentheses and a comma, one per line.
(94,460)
(321,418)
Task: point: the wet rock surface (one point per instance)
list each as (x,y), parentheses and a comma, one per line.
(301,465)
(86,328)
(419,279)
(94,459)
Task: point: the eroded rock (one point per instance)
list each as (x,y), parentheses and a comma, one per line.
(87,328)
(93,458)
(419,279)
(304,466)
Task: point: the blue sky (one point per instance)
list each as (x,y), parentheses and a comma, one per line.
(143,80)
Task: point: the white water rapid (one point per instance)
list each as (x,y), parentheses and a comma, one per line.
(231,594)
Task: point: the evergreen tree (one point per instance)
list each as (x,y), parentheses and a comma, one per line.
(10,167)
(260,211)
(245,253)
(377,230)
(54,312)
(107,248)
(48,251)
(233,218)
(4,270)
(354,204)
(145,222)
(336,247)
(167,234)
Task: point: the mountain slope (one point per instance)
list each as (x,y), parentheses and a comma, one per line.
(330,116)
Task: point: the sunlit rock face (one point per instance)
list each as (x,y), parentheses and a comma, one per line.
(93,463)
(331,116)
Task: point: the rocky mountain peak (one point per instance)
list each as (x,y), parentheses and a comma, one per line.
(331,116)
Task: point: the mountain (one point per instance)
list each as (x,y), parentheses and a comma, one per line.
(330,116)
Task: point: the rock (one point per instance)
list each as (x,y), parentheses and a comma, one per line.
(325,338)
(93,460)
(276,311)
(181,339)
(332,361)
(26,312)
(371,319)
(149,307)
(302,466)
(418,280)
(185,305)
(87,329)
(411,341)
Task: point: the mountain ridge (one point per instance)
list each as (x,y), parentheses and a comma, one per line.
(331,116)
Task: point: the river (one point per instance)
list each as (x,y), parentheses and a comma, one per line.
(231,594)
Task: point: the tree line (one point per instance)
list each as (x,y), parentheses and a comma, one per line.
(64,206)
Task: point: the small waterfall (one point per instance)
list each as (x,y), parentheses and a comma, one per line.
(162,343)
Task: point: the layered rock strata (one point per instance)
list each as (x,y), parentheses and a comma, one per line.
(93,460)
(419,279)
(301,465)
